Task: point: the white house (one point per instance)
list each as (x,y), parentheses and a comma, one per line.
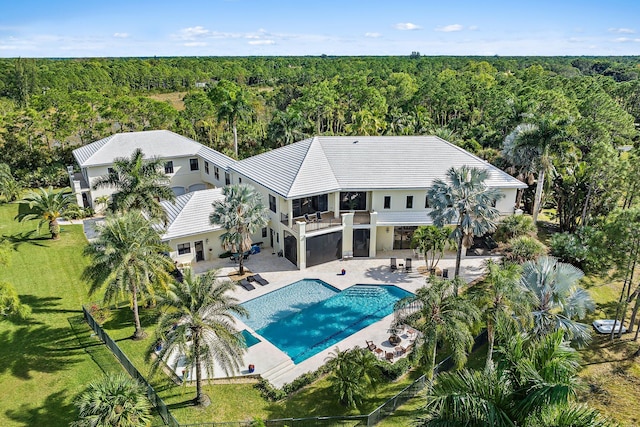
(190,165)
(343,196)
(327,197)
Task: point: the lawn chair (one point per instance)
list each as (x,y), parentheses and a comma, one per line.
(394,266)
(371,346)
(245,284)
(258,279)
(389,356)
(407,265)
(307,218)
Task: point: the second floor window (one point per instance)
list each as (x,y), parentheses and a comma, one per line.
(206,167)
(227,178)
(168,167)
(426,202)
(387,202)
(409,202)
(272,203)
(194,164)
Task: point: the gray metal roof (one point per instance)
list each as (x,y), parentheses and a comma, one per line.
(154,143)
(189,215)
(348,163)
(406,217)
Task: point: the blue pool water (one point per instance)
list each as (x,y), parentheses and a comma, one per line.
(324,317)
(249,338)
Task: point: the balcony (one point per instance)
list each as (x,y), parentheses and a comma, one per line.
(326,220)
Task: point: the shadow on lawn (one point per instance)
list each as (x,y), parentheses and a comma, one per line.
(55,411)
(31,237)
(28,348)
(45,304)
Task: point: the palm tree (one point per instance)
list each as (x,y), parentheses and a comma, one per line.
(431,241)
(140,183)
(534,384)
(198,322)
(114,401)
(498,296)
(233,104)
(354,373)
(10,188)
(537,141)
(557,298)
(466,201)
(242,214)
(447,317)
(128,258)
(47,206)
(286,127)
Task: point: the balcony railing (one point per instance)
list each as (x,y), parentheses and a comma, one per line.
(326,220)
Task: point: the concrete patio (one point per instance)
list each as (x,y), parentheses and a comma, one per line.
(273,364)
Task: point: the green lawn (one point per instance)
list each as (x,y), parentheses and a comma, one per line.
(45,361)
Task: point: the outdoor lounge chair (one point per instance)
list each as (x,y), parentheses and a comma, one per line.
(258,279)
(389,356)
(307,218)
(394,266)
(245,284)
(318,216)
(371,346)
(407,265)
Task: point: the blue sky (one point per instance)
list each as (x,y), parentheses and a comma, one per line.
(95,28)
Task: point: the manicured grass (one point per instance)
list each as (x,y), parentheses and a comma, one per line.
(45,361)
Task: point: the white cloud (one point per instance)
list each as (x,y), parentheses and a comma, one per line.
(406,26)
(194,44)
(191,33)
(262,42)
(373,35)
(625,40)
(622,30)
(450,28)
(121,35)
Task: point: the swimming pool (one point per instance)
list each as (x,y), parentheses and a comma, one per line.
(308,316)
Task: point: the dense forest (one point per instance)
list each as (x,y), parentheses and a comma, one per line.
(584,108)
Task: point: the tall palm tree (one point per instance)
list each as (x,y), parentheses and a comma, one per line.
(128,258)
(113,401)
(47,205)
(286,127)
(557,298)
(198,322)
(498,296)
(537,141)
(466,201)
(233,104)
(242,214)
(445,317)
(140,184)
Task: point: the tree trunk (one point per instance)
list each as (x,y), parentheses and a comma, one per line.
(434,345)
(458,256)
(490,341)
(627,300)
(538,198)
(54,229)
(235,140)
(585,207)
(139,333)
(241,263)
(196,349)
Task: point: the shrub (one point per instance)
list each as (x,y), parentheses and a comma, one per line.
(582,249)
(393,371)
(514,226)
(524,248)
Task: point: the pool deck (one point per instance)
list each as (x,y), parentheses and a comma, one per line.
(273,364)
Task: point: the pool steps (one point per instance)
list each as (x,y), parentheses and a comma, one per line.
(278,370)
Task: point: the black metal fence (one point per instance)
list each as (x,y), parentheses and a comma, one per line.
(369,420)
(131,369)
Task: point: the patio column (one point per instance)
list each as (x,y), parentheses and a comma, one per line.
(302,245)
(347,234)
(336,205)
(373,233)
(290,213)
